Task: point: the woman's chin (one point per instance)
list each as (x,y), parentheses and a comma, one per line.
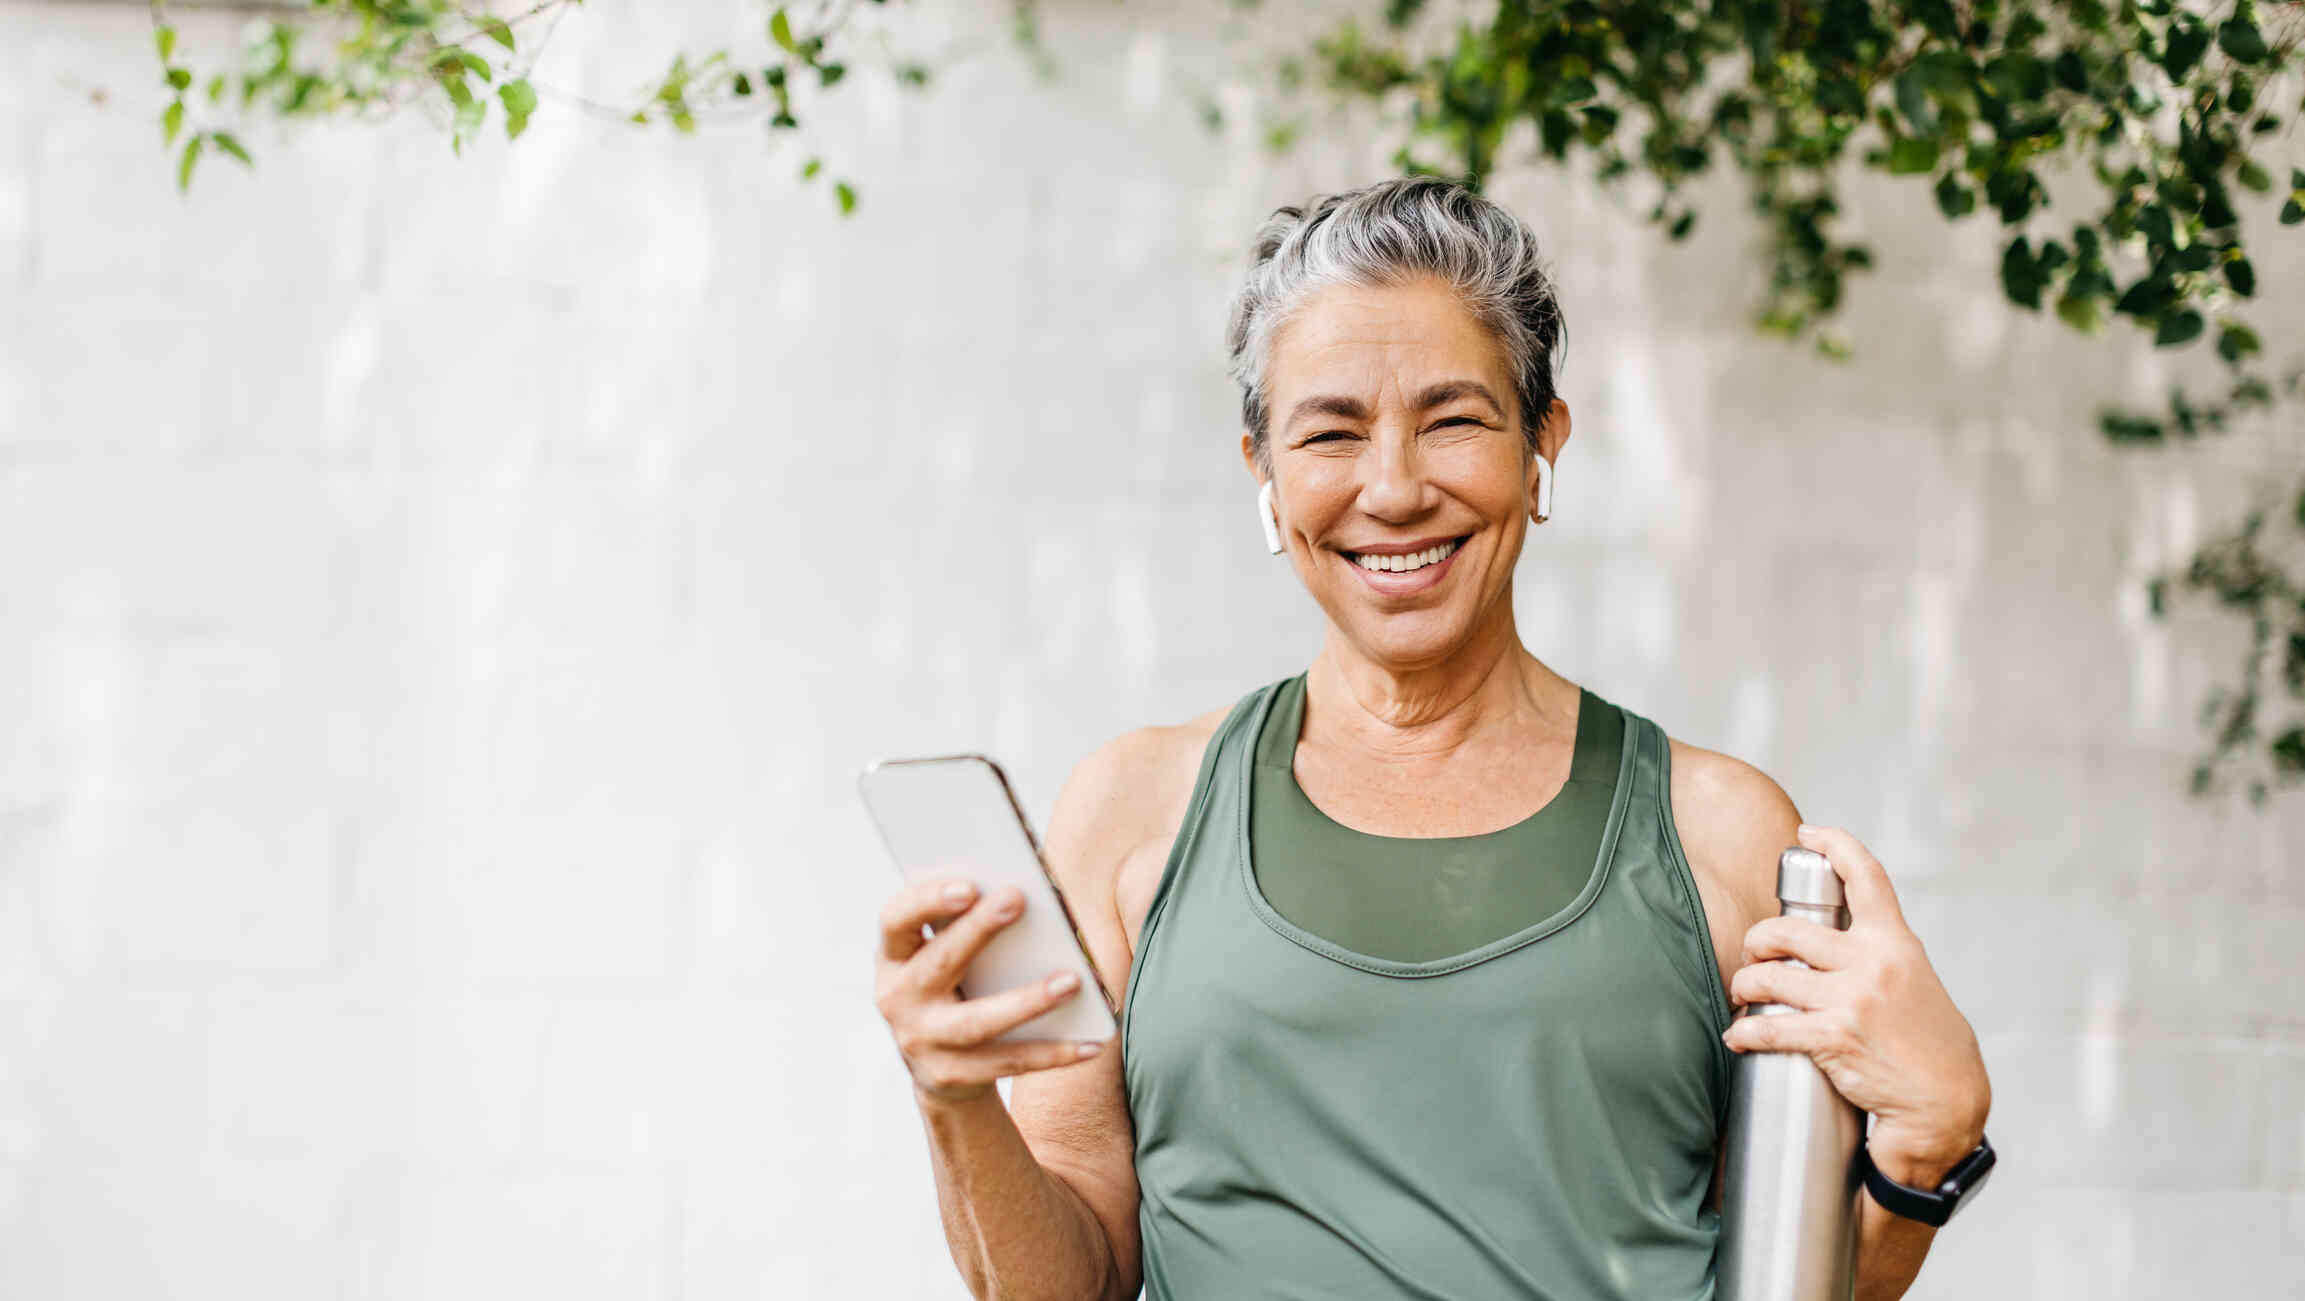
(1410,638)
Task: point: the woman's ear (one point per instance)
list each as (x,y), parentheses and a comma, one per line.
(1249,455)
(1552,435)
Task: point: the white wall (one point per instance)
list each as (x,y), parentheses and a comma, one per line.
(443,604)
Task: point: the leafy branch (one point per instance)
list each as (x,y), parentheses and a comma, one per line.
(371,58)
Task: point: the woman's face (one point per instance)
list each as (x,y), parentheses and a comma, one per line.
(1394,439)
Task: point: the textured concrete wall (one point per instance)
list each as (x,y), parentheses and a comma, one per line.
(443,604)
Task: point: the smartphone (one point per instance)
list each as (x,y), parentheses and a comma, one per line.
(956,815)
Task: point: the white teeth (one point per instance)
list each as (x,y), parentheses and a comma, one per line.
(1432,555)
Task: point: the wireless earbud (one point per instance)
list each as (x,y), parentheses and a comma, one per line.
(1544,487)
(1266,517)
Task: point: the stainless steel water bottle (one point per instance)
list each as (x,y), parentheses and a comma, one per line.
(1789,1189)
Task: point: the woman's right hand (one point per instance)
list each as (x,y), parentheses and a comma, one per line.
(948,1041)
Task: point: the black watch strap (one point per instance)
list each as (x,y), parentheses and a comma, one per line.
(1929,1206)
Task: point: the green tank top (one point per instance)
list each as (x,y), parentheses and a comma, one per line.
(1419,898)
(1533,1117)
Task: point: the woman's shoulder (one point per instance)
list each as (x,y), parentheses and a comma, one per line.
(1133,784)
(1732,820)
(1118,813)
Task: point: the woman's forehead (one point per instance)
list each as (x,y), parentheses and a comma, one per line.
(1418,338)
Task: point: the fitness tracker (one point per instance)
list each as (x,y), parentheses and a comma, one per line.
(1925,1205)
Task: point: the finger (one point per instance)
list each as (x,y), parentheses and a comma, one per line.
(1782,982)
(1863,879)
(1826,948)
(933,899)
(1813,1032)
(977,1021)
(941,962)
(970,1067)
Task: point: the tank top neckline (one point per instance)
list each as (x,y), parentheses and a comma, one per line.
(1245,778)
(1584,768)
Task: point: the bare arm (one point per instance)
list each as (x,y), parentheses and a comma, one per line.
(1735,821)
(1016,1228)
(1038,1195)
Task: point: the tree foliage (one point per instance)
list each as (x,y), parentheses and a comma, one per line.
(469,65)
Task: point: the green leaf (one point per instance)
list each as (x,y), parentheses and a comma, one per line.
(2184,327)
(2022,278)
(519,101)
(2292,212)
(216,89)
(2242,276)
(164,37)
(179,77)
(1573,90)
(2080,312)
(1913,99)
(780,31)
(2253,176)
(2240,38)
(2186,45)
(227,142)
(466,60)
(1909,154)
(2237,341)
(171,121)
(2289,751)
(498,31)
(809,169)
(846,195)
(1954,199)
(2070,72)
(828,73)
(2148,297)
(190,157)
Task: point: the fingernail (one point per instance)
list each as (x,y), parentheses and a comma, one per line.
(1009,907)
(1085,1049)
(958,892)
(1807,829)
(1062,982)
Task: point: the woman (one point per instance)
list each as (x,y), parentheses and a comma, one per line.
(1426,954)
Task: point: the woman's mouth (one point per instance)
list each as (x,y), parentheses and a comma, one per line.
(1410,562)
(1414,571)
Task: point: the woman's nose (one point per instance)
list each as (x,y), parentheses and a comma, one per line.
(1393,486)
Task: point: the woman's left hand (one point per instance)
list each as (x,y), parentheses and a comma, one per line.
(1874,1018)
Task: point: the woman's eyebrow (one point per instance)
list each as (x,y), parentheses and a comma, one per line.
(1331,404)
(1451,390)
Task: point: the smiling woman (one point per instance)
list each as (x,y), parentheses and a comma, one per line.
(1425,954)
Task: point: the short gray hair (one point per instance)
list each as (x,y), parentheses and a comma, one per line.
(1384,234)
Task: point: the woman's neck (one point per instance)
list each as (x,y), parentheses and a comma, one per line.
(1491,684)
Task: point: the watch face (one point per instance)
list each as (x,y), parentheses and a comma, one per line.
(1970,1185)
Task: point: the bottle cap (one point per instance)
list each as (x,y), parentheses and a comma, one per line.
(1804,876)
